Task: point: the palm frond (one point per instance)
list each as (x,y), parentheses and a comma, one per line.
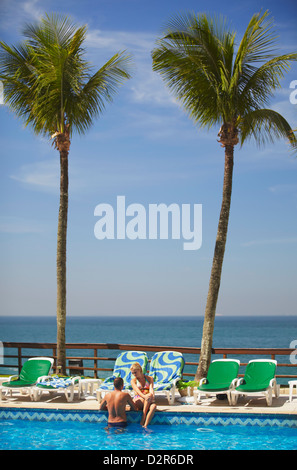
(196,59)
(266,125)
(259,86)
(48,82)
(52,29)
(195,63)
(99,89)
(258,41)
(256,84)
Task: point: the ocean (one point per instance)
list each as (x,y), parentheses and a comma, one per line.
(185,331)
(230,332)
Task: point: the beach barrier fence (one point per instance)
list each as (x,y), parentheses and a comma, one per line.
(97,359)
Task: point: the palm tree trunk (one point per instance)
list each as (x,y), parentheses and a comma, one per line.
(61,262)
(215,278)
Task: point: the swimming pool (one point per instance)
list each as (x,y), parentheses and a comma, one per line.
(76,430)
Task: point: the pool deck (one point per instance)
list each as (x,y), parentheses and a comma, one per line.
(57,401)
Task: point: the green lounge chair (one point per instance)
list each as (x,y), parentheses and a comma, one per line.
(166,368)
(32,370)
(221,379)
(259,378)
(122,369)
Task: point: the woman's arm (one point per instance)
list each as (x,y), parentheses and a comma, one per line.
(131,403)
(136,389)
(151,381)
(103,405)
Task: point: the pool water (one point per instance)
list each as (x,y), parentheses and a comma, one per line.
(82,435)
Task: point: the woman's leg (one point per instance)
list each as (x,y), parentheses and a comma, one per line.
(150,414)
(138,402)
(146,405)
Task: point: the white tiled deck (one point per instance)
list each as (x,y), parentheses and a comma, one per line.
(280,405)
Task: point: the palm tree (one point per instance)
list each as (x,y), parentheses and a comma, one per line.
(218,85)
(51,87)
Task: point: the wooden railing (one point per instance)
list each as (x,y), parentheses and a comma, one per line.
(92,362)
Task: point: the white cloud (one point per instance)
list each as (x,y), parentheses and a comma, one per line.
(146,86)
(287,110)
(283,188)
(18,225)
(137,42)
(41,175)
(45,176)
(16,13)
(31,8)
(273,241)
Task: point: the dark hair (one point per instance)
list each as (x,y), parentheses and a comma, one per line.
(118,383)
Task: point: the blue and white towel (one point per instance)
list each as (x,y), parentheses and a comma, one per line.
(56,382)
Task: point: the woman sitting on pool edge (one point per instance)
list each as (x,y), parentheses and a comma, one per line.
(143,386)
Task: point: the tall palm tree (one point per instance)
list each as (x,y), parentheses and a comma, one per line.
(219,85)
(51,87)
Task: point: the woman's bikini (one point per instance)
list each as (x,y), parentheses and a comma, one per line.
(145,390)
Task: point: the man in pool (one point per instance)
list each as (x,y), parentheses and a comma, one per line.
(115,402)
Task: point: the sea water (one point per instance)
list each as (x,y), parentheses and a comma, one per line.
(186,331)
(183,331)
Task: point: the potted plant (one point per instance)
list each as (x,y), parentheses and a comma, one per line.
(186,386)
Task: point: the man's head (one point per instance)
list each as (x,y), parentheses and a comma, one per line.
(118,383)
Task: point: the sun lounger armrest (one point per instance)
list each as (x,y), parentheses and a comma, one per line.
(176,380)
(273,384)
(12,378)
(275,387)
(203,381)
(234,383)
(75,379)
(43,377)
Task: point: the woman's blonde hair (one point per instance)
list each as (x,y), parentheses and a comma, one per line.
(136,365)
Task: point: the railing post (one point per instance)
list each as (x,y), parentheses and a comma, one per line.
(55,360)
(19,359)
(95,364)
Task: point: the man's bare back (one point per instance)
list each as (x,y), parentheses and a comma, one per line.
(115,402)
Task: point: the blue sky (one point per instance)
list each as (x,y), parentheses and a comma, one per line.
(146,148)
